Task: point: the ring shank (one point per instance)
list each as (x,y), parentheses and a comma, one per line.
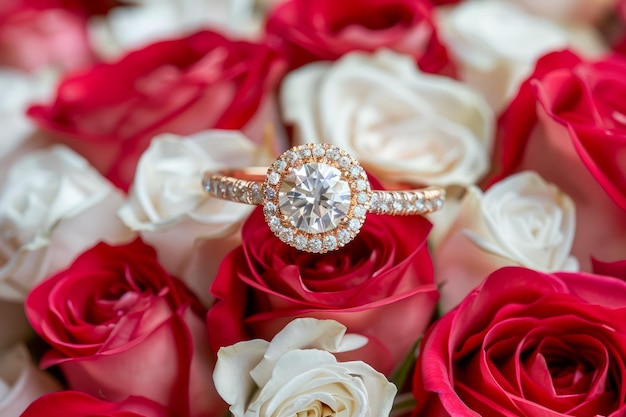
(246,186)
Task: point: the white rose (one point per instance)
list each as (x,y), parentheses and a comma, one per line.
(401,124)
(497,44)
(19,90)
(584,11)
(53,206)
(147,21)
(521,220)
(169,208)
(21,382)
(297,375)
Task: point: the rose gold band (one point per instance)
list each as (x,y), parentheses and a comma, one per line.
(246,186)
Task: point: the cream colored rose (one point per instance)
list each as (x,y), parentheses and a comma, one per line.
(522,221)
(497,44)
(21,382)
(296,374)
(169,208)
(53,206)
(19,90)
(147,21)
(583,11)
(400,123)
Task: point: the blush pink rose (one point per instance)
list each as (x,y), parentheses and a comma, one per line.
(379,286)
(110,112)
(568,123)
(327,29)
(119,325)
(528,344)
(78,404)
(36,37)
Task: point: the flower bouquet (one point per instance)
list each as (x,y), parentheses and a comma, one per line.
(443,220)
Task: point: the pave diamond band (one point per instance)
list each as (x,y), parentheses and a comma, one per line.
(315,196)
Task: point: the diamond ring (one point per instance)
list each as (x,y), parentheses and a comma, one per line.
(315,196)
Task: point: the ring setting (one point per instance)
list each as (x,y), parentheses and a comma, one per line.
(316,197)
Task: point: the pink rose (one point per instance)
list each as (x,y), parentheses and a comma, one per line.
(328,29)
(568,123)
(120,326)
(35,37)
(110,113)
(380,286)
(78,404)
(528,344)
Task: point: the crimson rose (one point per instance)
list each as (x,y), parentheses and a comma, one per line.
(528,344)
(568,123)
(120,326)
(110,113)
(380,285)
(78,404)
(328,29)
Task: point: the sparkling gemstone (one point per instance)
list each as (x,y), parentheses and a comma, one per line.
(315,245)
(359,211)
(314,197)
(318,150)
(273,178)
(361,185)
(344,236)
(361,198)
(330,243)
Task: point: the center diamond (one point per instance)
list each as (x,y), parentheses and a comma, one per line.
(314,197)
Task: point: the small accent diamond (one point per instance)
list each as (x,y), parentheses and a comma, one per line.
(274,224)
(300,242)
(319,151)
(269,208)
(270,193)
(332,153)
(361,185)
(330,242)
(305,153)
(344,161)
(354,224)
(361,198)
(344,236)
(291,157)
(359,211)
(273,178)
(280,165)
(315,245)
(286,235)
(355,171)
(397,205)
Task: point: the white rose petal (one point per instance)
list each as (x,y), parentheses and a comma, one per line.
(173,213)
(296,374)
(400,123)
(19,91)
(581,11)
(497,44)
(53,206)
(21,382)
(522,220)
(148,21)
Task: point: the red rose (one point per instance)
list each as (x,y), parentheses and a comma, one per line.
(120,326)
(380,285)
(78,404)
(111,112)
(35,37)
(328,29)
(568,123)
(528,344)
(614,269)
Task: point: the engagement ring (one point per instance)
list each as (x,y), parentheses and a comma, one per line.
(315,196)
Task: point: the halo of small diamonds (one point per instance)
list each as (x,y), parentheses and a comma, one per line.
(351,206)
